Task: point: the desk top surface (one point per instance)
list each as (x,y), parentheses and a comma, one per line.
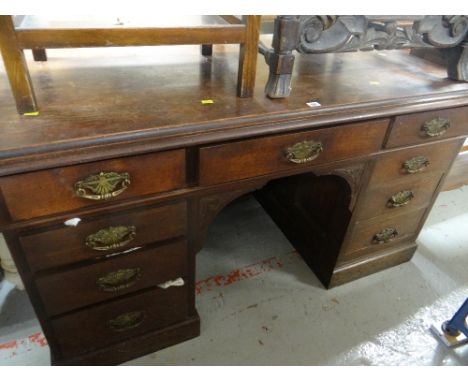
(132,100)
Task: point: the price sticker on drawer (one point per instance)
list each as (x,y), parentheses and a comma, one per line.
(72,222)
(313,104)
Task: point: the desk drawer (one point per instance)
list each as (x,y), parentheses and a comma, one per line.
(261,156)
(112,277)
(428,126)
(98,236)
(414,163)
(118,320)
(380,233)
(57,190)
(394,197)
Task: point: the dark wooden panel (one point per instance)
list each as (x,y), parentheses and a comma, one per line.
(79,287)
(361,235)
(389,167)
(407,129)
(249,158)
(374,201)
(64,245)
(136,346)
(91,328)
(47,192)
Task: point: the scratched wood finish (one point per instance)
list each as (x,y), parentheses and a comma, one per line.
(47,192)
(80,288)
(59,245)
(142,118)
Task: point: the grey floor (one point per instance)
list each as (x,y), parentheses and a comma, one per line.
(261,305)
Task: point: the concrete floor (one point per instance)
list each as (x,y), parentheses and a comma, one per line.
(261,305)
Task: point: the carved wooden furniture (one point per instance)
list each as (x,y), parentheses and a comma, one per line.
(104,208)
(32,32)
(324,34)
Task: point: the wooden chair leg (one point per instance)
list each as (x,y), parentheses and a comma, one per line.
(248,57)
(457,62)
(15,65)
(39,54)
(281,60)
(207,50)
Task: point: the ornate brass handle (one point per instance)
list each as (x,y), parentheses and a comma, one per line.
(385,236)
(126,321)
(111,238)
(436,127)
(102,186)
(400,199)
(303,152)
(416,164)
(118,280)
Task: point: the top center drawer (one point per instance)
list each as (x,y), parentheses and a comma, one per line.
(68,188)
(262,156)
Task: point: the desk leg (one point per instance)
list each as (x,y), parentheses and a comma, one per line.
(7,264)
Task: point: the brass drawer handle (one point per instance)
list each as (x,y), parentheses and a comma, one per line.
(303,152)
(126,321)
(400,199)
(102,186)
(111,238)
(416,164)
(385,236)
(118,280)
(436,127)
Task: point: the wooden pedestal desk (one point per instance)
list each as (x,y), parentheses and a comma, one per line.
(108,193)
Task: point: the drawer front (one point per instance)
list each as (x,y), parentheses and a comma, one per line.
(428,126)
(380,233)
(112,277)
(261,156)
(58,190)
(414,163)
(396,197)
(118,320)
(100,236)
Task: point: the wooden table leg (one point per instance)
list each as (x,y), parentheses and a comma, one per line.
(15,65)
(39,54)
(248,57)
